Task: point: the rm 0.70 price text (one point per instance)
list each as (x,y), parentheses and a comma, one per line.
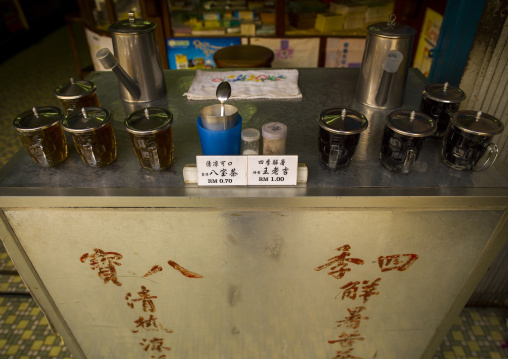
(220,180)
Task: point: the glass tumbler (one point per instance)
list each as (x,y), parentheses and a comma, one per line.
(77,94)
(42,136)
(440,101)
(403,137)
(151,137)
(93,135)
(339,134)
(468,143)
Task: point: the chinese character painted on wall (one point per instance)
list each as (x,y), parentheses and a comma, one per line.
(149,324)
(184,271)
(338,265)
(155,344)
(347,339)
(144,298)
(105,263)
(368,290)
(354,318)
(400,262)
(345,354)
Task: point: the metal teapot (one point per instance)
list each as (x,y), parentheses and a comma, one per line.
(137,63)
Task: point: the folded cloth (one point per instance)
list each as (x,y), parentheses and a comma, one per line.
(246,84)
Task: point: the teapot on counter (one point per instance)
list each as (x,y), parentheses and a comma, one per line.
(137,63)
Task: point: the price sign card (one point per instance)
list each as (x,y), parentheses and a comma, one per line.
(222,170)
(272,170)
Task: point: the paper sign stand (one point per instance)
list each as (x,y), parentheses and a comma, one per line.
(190,174)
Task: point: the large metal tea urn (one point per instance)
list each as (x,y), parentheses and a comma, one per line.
(137,63)
(385,65)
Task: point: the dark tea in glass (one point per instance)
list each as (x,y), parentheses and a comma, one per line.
(154,152)
(440,101)
(151,137)
(403,137)
(42,136)
(77,94)
(467,145)
(399,152)
(339,135)
(93,136)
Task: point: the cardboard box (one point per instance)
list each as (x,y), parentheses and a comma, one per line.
(329,22)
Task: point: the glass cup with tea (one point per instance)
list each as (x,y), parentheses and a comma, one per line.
(77,94)
(151,137)
(440,101)
(42,136)
(93,135)
(403,137)
(468,144)
(339,134)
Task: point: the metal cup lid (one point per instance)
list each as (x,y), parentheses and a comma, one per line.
(343,121)
(477,122)
(38,118)
(148,120)
(411,123)
(132,25)
(75,89)
(444,93)
(86,119)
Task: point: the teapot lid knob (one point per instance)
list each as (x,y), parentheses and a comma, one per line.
(131,16)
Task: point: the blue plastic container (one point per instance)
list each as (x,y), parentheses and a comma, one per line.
(220,143)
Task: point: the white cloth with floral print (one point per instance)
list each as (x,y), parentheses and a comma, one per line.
(246,84)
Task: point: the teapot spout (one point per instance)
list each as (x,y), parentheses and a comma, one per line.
(109,61)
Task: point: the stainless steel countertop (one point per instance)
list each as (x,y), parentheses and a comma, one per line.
(322,89)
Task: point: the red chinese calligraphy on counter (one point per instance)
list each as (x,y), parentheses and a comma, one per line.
(354,318)
(105,262)
(150,324)
(144,298)
(155,344)
(184,271)
(338,265)
(345,354)
(400,262)
(368,290)
(155,269)
(347,339)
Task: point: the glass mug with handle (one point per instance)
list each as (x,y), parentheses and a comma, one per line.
(151,137)
(468,144)
(339,134)
(93,135)
(41,134)
(403,137)
(440,101)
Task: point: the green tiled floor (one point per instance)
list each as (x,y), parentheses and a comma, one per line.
(25,332)
(28,79)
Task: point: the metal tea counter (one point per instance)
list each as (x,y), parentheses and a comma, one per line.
(360,261)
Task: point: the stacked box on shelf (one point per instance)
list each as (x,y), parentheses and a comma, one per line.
(378,13)
(329,22)
(303,21)
(353,12)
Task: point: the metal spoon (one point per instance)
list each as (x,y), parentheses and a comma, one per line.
(223,92)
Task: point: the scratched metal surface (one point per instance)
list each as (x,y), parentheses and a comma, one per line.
(260,295)
(322,88)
